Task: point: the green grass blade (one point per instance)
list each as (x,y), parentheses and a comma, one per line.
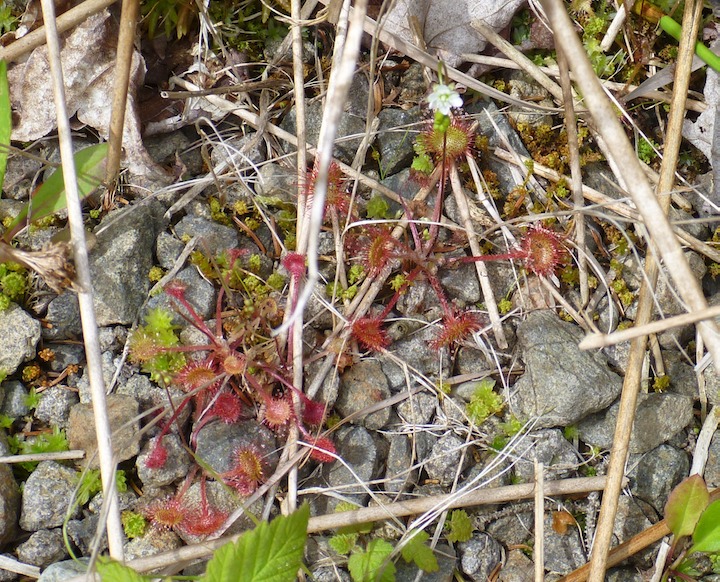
(50,196)
(5,120)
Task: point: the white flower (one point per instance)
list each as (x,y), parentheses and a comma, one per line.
(443,98)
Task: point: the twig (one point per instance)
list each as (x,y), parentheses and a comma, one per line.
(597,341)
(480,267)
(702,445)
(630,172)
(11,565)
(606,201)
(64,22)
(84,283)
(631,547)
(539,549)
(123,63)
(32,457)
(575,174)
(380,513)
(522,61)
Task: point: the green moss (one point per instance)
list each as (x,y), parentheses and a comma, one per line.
(484,402)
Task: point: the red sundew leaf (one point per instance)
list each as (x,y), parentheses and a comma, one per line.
(370,334)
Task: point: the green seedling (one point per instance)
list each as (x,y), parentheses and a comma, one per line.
(689,514)
(5,120)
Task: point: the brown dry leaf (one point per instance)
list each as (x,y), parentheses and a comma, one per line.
(561,521)
(88,61)
(445,26)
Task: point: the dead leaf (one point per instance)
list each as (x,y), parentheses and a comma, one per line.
(561,521)
(445,26)
(88,61)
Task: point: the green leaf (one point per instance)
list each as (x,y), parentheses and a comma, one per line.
(343,543)
(272,552)
(366,566)
(50,196)
(460,526)
(5,120)
(422,555)
(112,571)
(706,537)
(685,504)
(377,207)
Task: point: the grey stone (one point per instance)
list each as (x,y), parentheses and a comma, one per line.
(446,458)
(155,541)
(277,185)
(399,476)
(61,571)
(352,122)
(659,417)
(112,339)
(517,568)
(108,372)
(168,249)
(396,137)
(362,386)
(153,399)
(166,148)
(634,516)
(416,352)
(330,574)
(63,318)
(479,556)
(657,473)
(214,237)
(623,575)
(120,263)
(461,283)
(83,531)
(176,466)
(55,404)
(514,529)
(563,552)
(236,154)
(122,414)
(217,443)
(9,503)
(14,404)
(327,391)
(447,562)
(417,409)
(551,448)
(554,388)
(199,293)
(66,355)
(47,496)
(712,468)
(43,548)
(20,335)
(358,449)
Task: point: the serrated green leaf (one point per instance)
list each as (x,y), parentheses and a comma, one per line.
(5,120)
(343,543)
(460,526)
(685,504)
(272,552)
(50,196)
(366,566)
(377,207)
(422,555)
(112,571)
(706,537)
